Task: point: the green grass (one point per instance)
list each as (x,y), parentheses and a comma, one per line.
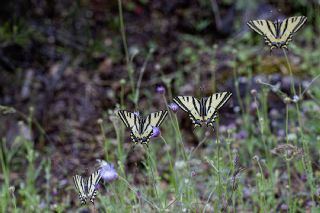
(174,172)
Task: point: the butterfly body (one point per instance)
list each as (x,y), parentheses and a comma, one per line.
(142,127)
(203,111)
(87,187)
(277,34)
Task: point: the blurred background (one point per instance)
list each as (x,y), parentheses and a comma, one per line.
(66,64)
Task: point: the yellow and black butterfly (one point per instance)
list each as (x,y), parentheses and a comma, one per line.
(203,110)
(277,34)
(142,127)
(87,187)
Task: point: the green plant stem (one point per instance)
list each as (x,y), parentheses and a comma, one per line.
(287,162)
(176,128)
(142,70)
(125,46)
(171,165)
(261,119)
(106,145)
(123,32)
(219,172)
(293,90)
(307,165)
(154,181)
(262,197)
(141,194)
(236,82)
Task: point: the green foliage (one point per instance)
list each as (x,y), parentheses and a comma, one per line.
(18,33)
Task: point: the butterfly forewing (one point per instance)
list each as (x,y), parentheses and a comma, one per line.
(192,106)
(156,118)
(128,118)
(290,26)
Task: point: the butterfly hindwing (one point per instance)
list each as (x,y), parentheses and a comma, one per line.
(192,106)
(213,104)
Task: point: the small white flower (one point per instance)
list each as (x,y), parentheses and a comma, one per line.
(295,98)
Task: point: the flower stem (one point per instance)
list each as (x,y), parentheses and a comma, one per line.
(154,181)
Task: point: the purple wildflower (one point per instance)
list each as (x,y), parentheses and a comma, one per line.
(107,171)
(310,203)
(274,113)
(160,89)
(174,107)
(223,128)
(284,207)
(155,132)
(241,135)
(231,126)
(304,177)
(281,133)
(247,193)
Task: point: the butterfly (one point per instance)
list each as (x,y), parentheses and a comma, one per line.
(277,34)
(142,127)
(87,187)
(203,110)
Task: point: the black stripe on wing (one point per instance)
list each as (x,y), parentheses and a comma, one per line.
(163,115)
(81,188)
(123,115)
(226,97)
(93,180)
(177,100)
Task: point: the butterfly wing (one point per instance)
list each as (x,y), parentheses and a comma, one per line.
(192,106)
(131,121)
(80,185)
(156,118)
(265,28)
(92,183)
(153,120)
(289,26)
(213,104)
